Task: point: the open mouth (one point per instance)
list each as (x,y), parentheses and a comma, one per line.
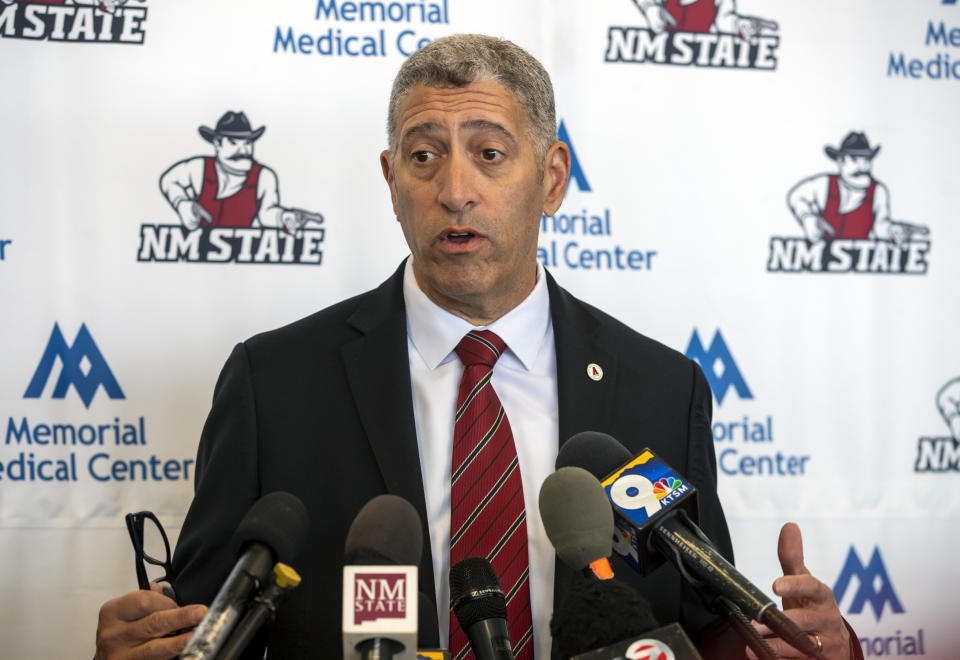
(459,236)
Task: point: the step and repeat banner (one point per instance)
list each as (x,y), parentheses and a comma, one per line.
(767,186)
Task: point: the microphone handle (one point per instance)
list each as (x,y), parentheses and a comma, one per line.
(490,639)
(263,608)
(226,608)
(677,541)
(683,542)
(379,648)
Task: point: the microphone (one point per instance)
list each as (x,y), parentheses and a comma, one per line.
(654,511)
(578,520)
(274,529)
(380,597)
(607,620)
(481,608)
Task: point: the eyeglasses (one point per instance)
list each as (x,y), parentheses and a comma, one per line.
(150,546)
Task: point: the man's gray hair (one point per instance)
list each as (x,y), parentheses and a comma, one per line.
(460,59)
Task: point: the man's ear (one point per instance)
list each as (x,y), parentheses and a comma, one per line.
(556,175)
(386,164)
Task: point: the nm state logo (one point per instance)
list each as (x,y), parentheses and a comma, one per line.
(82,366)
(845,222)
(942,454)
(104,21)
(718,366)
(379,596)
(702,33)
(228,207)
(873,585)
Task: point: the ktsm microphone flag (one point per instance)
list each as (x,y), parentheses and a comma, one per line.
(655,511)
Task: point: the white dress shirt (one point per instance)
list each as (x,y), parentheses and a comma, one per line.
(525,380)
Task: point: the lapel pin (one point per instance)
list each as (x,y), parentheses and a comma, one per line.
(594,371)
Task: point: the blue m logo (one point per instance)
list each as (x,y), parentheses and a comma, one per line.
(71,357)
(875,586)
(718,357)
(576,171)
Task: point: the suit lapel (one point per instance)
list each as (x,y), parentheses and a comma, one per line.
(378,371)
(584,403)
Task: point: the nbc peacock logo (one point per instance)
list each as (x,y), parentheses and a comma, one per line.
(666,485)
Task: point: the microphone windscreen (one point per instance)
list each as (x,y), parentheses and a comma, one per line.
(598,613)
(279,520)
(577,516)
(387,527)
(475,593)
(597,453)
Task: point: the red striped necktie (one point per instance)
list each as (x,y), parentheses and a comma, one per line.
(487,516)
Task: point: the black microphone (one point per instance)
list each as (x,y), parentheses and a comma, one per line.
(578,520)
(481,608)
(380,596)
(274,529)
(654,512)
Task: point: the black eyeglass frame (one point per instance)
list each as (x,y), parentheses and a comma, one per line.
(135,525)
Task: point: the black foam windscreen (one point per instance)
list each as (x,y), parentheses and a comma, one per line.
(278,520)
(386,531)
(598,613)
(475,592)
(577,516)
(597,453)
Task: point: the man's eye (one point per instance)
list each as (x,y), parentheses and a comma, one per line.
(491,154)
(422,156)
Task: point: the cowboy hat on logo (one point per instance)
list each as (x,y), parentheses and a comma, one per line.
(855,144)
(234,125)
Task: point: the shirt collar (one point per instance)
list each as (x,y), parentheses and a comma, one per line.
(435,332)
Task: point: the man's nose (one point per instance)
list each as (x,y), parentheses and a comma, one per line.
(458,183)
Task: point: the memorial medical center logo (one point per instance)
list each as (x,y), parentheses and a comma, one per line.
(578,238)
(394,28)
(845,222)
(860,584)
(228,207)
(87,21)
(701,33)
(941,58)
(745,444)
(942,453)
(62,451)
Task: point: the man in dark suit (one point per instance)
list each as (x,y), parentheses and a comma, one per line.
(345,404)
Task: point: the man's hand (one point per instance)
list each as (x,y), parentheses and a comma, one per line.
(658,19)
(815,228)
(293,220)
(806,600)
(133,626)
(750,27)
(192,215)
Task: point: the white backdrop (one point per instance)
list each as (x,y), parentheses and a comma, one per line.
(686,165)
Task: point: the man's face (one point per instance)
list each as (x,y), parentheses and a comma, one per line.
(234,153)
(466,190)
(855,170)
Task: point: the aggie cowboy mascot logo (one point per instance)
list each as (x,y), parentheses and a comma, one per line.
(846,223)
(229,207)
(702,33)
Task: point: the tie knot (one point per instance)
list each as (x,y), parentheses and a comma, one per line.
(480,347)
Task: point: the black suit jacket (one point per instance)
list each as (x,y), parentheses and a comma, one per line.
(322,408)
